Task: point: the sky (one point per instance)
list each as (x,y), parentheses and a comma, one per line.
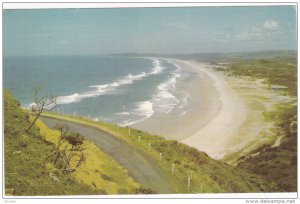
(148,30)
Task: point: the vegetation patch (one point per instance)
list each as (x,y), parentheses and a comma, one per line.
(27,172)
(275,163)
(182,162)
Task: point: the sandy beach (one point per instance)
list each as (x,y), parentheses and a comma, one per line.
(214,137)
(214,113)
(224,115)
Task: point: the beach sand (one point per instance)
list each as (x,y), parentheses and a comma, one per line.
(224,115)
(213,114)
(180,124)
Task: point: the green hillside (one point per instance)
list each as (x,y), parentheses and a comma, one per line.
(208,175)
(28,173)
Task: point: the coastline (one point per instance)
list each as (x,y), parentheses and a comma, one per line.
(225,116)
(214,138)
(213,107)
(179,128)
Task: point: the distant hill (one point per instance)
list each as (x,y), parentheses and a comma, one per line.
(219,57)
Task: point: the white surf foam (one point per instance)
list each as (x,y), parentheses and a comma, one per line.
(102,89)
(68,99)
(157,66)
(123,113)
(164,99)
(184,100)
(145,109)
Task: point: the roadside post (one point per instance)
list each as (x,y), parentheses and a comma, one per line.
(189,183)
(173,168)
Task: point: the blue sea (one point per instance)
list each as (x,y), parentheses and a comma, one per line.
(117,89)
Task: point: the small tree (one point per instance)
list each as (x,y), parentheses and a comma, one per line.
(68,155)
(40,104)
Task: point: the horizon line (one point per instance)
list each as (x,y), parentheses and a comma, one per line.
(152,53)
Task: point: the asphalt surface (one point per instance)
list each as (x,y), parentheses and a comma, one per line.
(140,166)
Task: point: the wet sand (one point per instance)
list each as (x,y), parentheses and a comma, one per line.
(224,116)
(213,113)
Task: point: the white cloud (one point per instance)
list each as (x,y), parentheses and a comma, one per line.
(271,24)
(266,31)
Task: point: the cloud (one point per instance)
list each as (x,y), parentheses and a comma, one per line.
(271,24)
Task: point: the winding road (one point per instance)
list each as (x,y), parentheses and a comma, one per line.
(140,166)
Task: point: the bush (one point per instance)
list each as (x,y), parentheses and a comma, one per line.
(142,190)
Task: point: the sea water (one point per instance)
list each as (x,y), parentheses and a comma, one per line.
(118,89)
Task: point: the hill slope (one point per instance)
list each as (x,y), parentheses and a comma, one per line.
(28,173)
(275,163)
(207,175)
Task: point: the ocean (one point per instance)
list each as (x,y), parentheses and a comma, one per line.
(117,89)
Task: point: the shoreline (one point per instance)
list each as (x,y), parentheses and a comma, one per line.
(212,107)
(214,138)
(226,117)
(167,124)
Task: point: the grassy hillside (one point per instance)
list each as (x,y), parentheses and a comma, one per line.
(99,170)
(276,164)
(207,175)
(27,172)
(279,71)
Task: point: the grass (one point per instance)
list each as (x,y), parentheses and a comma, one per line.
(275,164)
(278,163)
(28,173)
(208,175)
(99,170)
(281,72)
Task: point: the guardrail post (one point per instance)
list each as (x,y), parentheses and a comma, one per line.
(189,183)
(173,168)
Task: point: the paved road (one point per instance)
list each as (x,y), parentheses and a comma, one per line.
(139,165)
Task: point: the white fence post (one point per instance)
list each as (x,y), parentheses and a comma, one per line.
(189,183)
(173,168)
